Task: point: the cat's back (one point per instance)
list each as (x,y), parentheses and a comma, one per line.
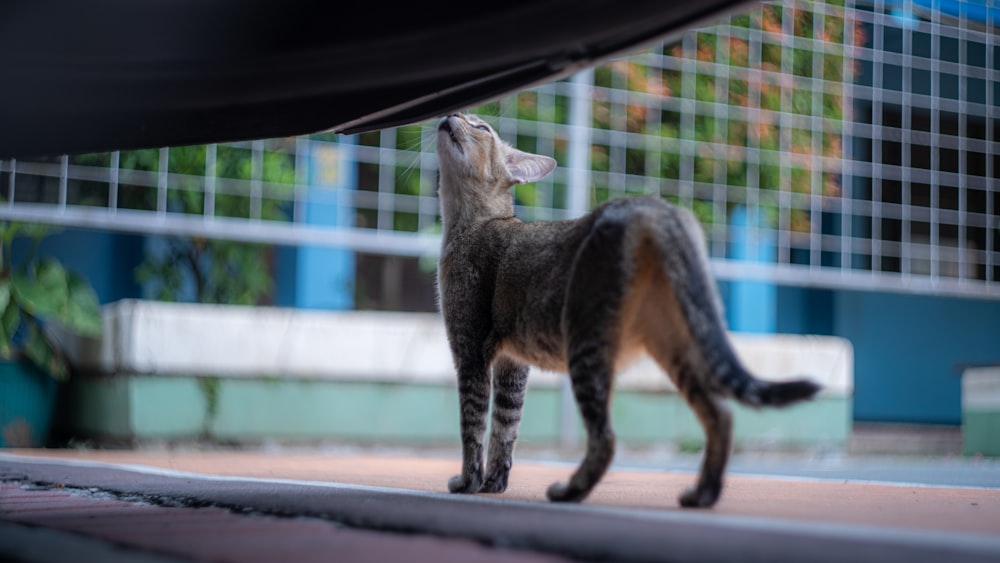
(543,250)
(547,250)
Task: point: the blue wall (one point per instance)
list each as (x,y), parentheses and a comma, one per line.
(805,310)
(906,349)
(108,260)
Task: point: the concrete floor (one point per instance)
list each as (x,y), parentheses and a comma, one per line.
(770,502)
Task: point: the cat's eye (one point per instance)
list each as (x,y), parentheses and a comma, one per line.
(483,127)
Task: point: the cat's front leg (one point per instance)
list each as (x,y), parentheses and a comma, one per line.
(473,398)
(510,380)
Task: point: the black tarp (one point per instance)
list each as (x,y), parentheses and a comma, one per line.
(81,76)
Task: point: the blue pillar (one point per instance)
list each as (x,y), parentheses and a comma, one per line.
(752,305)
(314,277)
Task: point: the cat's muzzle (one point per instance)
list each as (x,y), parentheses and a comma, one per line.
(445,125)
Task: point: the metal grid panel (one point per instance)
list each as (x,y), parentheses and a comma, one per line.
(926,105)
(819,145)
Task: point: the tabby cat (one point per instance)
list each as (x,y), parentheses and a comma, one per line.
(584,296)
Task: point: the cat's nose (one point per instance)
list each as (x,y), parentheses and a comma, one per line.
(446,120)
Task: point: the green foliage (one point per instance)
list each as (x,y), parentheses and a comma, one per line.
(42,291)
(209,388)
(766,65)
(756,81)
(219,271)
(690,445)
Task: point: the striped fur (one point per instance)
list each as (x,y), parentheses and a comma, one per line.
(583,296)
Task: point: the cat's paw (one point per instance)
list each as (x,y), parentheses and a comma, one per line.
(465,484)
(565,492)
(497,473)
(496,482)
(698,498)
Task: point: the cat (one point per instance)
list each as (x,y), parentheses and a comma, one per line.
(582,296)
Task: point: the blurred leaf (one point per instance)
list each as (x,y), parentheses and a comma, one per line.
(9,230)
(40,351)
(144,159)
(35,230)
(4,294)
(83,311)
(41,291)
(192,201)
(8,319)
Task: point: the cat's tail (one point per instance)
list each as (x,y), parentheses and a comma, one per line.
(777,393)
(727,374)
(701,309)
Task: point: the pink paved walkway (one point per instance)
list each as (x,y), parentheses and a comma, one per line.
(948,509)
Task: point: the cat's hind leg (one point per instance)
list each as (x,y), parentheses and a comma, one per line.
(510,380)
(716,421)
(592,389)
(591,317)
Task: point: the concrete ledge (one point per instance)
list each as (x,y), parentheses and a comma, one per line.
(251,410)
(981,411)
(147,337)
(182,371)
(899,439)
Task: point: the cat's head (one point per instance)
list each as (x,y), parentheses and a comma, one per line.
(469,151)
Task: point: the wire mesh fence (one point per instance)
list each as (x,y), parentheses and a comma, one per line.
(820,143)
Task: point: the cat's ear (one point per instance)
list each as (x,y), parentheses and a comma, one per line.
(525,167)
